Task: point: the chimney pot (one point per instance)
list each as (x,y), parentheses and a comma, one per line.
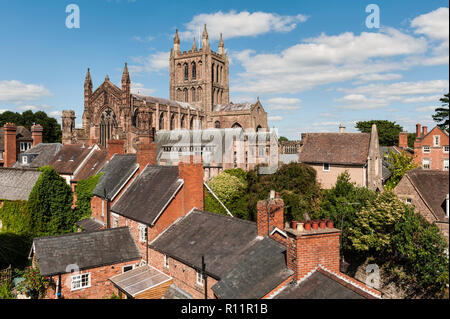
(424,130)
(403,139)
(418,130)
(341,128)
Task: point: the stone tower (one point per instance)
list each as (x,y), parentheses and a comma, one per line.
(199,77)
(68,127)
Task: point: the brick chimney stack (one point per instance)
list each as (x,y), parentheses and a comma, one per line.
(403,139)
(270,214)
(10,144)
(36,134)
(418,130)
(424,130)
(190,169)
(115,147)
(146,151)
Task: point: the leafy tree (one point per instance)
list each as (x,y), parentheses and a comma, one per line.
(50,204)
(84,193)
(296,183)
(401,163)
(411,139)
(52,130)
(442,114)
(16,217)
(282,139)
(422,257)
(387,131)
(231,190)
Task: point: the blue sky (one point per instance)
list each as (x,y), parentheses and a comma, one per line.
(314,64)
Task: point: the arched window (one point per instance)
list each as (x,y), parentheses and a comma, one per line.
(161,121)
(108,124)
(186,95)
(194,71)
(191,123)
(217,124)
(212,72)
(258,128)
(217,74)
(172,121)
(193,96)
(186,72)
(134,120)
(182,121)
(236,125)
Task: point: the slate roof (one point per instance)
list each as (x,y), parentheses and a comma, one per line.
(69,157)
(22,134)
(260,271)
(16,183)
(173,103)
(175,292)
(322,285)
(92,165)
(148,194)
(335,148)
(39,155)
(233,107)
(85,249)
(433,186)
(223,240)
(90,224)
(115,173)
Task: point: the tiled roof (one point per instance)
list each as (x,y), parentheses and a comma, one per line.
(86,250)
(69,158)
(152,99)
(335,148)
(433,186)
(260,271)
(92,165)
(148,194)
(90,224)
(115,173)
(322,285)
(233,107)
(39,155)
(16,183)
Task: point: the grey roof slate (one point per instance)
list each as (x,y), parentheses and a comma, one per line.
(260,271)
(175,292)
(16,183)
(86,250)
(173,103)
(115,173)
(223,240)
(90,224)
(233,107)
(39,155)
(22,134)
(148,194)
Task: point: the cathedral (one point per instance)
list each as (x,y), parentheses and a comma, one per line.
(199,99)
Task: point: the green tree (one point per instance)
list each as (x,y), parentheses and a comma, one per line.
(387,131)
(401,163)
(50,204)
(84,193)
(16,217)
(411,139)
(442,114)
(52,130)
(282,139)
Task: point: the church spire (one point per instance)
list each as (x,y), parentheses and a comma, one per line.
(176,38)
(205,42)
(221,45)
(176,43)
(87,88)
(194,46)
(125,75)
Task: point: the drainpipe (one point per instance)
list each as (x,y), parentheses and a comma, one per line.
(146,245)
(204,276)
(108,219)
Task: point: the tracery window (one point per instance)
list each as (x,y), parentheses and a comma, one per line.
(108,124)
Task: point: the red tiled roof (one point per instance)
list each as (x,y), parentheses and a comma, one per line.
(93,165)
(69,157)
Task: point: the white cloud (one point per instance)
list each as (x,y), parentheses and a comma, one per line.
(434,24)
(426,109)
(240,24)
(282,103)
(378,77)
(138,88)
(275,118)
(152,63)
(16,91)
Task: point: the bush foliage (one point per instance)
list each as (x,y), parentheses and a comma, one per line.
(84,195)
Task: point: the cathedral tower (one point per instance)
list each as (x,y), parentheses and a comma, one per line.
(199,77)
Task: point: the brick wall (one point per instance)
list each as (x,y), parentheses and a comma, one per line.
(36,133)
(436,155)
(10,154)
(100,287)
(115,147)
(270,214)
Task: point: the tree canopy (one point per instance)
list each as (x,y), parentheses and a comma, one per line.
(387,131)
(84,193)
(442,113)
(52,129)
(401,163)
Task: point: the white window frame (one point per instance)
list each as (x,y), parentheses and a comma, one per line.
(426,149)
(323,167)
(423,163)
(438,140)
(79,279)
(445,148)
(408,201)
(22,146)
(199,278)
(443,164)
(123,268)
(166,262)
(24,159)
(142,233)
(115,222)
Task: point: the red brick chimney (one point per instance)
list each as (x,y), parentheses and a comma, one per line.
(115,147)
(190,169)
(417,130)
(403,139)
(10,144)
(146,151)
(36,134)
(424,130)
(270,214)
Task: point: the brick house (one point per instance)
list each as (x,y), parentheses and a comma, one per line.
(17,139)
(427,191)
(431,149)
(79,265)
(330,154)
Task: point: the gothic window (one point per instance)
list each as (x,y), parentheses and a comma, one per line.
(172,121)
(236,125)
(108,124)
(217,124)
(161,121)
(199,69)
(186,95)
(258,128)
(194,71)
(193,96)
(217,74)
(212,72)
(182,121)
(186,72)
(191,124)
(134,120)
